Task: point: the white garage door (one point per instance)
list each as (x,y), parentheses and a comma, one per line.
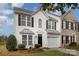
(53,42)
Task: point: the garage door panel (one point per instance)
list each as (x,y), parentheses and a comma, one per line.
(53,42)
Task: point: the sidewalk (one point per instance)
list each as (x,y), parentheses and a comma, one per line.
(69,51)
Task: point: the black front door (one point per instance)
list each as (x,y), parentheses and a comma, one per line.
(40,39)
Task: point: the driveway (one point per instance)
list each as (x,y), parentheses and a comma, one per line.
(68,51)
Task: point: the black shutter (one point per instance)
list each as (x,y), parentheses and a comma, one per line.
(32,22)
(67,25)
(46,24)
(19,19)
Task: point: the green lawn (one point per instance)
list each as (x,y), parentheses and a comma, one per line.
(47,53)
(2,47)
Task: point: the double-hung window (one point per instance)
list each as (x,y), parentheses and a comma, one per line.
(21,20)
(24,39)
(40,23)
(29,39)
(29,23)
(72,27)
(51,25)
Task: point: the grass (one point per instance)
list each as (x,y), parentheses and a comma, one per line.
(46,53)
(2,47)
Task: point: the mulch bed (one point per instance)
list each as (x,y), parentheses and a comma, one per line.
(18,52)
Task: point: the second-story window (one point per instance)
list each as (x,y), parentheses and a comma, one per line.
(67,25)
(50,25)
(29,22)
(21,20)
(40,23)
(53,25)
(72,27)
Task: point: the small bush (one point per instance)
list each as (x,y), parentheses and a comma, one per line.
(72,44)
(11,43)
(77,47)
(37,45)
(21,46)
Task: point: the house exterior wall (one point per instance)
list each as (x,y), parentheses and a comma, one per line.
(36,30)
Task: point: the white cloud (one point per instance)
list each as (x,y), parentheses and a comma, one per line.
(3,22)
(4,9)
(10,21)
(17,4)
(6,12)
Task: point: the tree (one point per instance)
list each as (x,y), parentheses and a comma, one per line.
(58,6)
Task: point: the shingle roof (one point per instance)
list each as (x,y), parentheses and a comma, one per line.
(20,10)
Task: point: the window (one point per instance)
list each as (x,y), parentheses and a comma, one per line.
(40,23)
(21,20)
(67,25)
(51,25)
(24,39)
(29,39)
(67,39)
(29,23)
(72,27)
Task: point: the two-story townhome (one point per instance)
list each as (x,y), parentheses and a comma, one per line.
(77,32)
(37,28)
(68,28)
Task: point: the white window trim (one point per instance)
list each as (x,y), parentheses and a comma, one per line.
(23,20)
(40,24)
(28,40)
(30,22)
(50,23)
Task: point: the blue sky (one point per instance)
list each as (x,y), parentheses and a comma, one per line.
(6,15)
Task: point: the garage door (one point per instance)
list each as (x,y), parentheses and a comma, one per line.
(53,42)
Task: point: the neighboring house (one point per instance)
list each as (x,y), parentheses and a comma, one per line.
(37,28)
(77,32)
(68,28)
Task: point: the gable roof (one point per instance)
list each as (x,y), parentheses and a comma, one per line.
(24,11)
(67,14)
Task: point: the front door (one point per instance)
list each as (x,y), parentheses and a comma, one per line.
(40,39)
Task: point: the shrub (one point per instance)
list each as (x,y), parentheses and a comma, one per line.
(11,43)
(37,45)
(21,46)
(72,44)
(77,47)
